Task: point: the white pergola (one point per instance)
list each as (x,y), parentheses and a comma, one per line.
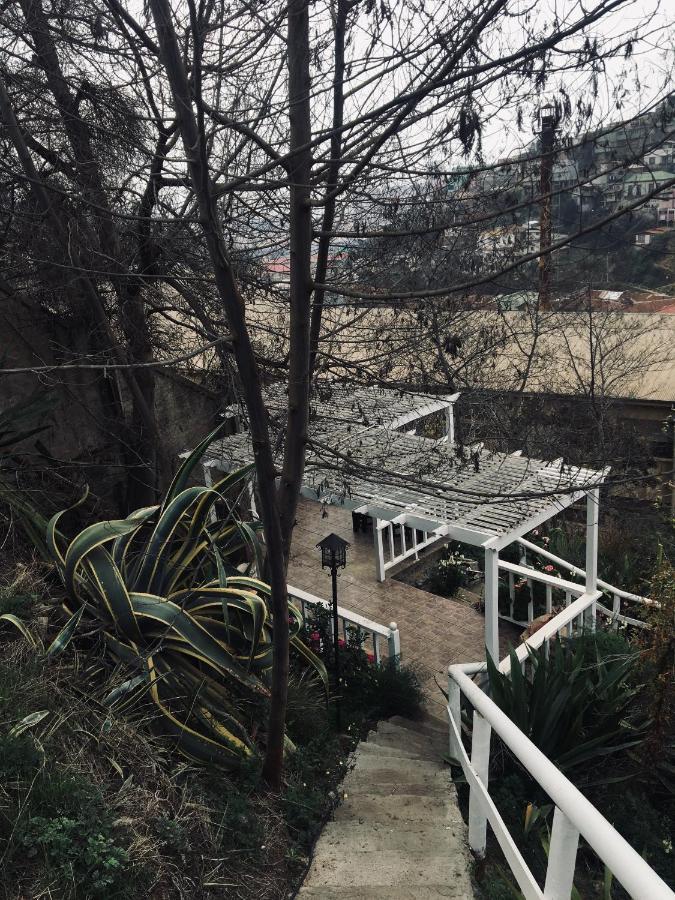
(364,455)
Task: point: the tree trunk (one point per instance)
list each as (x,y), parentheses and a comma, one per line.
(299,172)
(144,444)
(193,143)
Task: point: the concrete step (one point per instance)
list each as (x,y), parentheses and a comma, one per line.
(407,732)
(400,739)
(386,868)
(398,892)
(372,748)
(401,767)
(399,808)
(416,837)
(432,728)
(395,780)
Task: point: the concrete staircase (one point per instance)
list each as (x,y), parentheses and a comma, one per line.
(397,832)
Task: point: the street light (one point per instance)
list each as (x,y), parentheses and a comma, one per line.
(334,556)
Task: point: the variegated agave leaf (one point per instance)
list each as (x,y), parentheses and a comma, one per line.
(164,586)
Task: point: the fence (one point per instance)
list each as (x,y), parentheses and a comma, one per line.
(375,634)
(567,589)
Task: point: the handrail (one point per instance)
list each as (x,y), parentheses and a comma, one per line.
(574,815)
(543,577)
(555,625)
(389,632)
(576,570)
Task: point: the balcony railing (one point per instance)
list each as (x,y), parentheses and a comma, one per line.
(565,590)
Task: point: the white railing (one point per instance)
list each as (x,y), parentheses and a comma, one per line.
(568,588)
(374,633)
(616,593)
(567,623)
(387,554)
(574,815)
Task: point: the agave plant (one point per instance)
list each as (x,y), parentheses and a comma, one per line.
(172,604)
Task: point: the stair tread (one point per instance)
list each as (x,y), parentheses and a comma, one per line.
(398,832)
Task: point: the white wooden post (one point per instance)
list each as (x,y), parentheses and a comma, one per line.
(592,516)
(403,544)
(376,646)
(455,707)
(392,545)
(562,857)
(450,424)
(414,543)
(512,593)
(394,640)
(492,603)
(480,761)
(379,550)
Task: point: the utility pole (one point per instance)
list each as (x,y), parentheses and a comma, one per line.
(547,124)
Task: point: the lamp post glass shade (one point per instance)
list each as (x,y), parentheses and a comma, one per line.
(333,551)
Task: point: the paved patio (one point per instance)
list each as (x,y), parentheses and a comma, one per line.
(435,631)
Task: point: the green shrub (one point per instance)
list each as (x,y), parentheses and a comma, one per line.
(368,690)
(646,828)
(238,823)
(575,705)
(76,850)
(19,757)
(446,578)
(396,691)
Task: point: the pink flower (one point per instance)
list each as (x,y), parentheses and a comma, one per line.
(548,568)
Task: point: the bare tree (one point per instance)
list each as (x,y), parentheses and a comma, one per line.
(284,130)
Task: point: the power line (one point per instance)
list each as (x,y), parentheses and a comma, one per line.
(105,366)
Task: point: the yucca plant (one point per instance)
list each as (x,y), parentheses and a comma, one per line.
(173,605)
(575,707)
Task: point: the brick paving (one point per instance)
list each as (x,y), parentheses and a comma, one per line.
(435,631)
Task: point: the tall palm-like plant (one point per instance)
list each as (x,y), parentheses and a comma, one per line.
(164,586)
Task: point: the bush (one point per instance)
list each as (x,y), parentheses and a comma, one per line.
(446,578)
(647,829)
(78,851)
(574,707)
(368,690)
(193,631)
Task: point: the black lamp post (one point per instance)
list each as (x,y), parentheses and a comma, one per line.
(334,556)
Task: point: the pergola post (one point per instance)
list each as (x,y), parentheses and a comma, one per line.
(379,550)
(492,603)
(450,424)
(592,518)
